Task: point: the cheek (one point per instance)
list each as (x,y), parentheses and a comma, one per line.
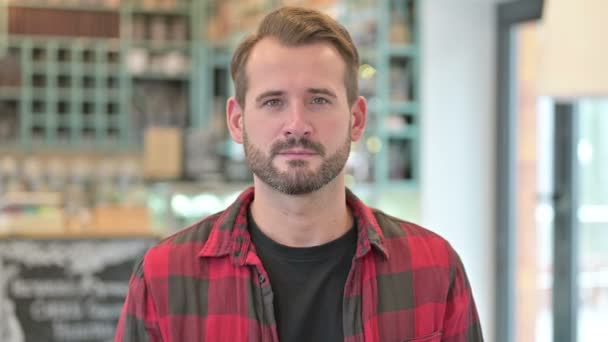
(336,130)
(261,132)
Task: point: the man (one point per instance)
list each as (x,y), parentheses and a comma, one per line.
(298,257)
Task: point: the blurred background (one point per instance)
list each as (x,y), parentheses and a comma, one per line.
(488,124)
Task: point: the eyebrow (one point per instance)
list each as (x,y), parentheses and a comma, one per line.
(323,91)
(268,93)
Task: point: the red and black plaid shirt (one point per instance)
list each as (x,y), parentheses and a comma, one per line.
(206,283)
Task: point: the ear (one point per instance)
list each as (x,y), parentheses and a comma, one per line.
(234,119)
(359,118)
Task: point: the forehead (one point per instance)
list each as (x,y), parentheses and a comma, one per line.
(270,62)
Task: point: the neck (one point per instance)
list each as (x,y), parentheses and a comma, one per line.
(302,220)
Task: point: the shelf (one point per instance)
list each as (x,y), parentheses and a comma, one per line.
(67,235)
(61,6)
(161,45)
(161,76)
(180,9)
(86,69)
(67,69)
(81,147)
(16,40)
(31,198)
(38,120)
(10,93)
(81,150)
(89,95)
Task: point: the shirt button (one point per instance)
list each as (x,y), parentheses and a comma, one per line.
(237,253)
(262,278)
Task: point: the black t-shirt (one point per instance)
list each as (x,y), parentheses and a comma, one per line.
(308,285)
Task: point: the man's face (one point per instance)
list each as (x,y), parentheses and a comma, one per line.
(296,124)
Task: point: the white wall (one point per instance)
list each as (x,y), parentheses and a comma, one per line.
(458,105)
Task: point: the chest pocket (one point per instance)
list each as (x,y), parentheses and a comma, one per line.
(434,337)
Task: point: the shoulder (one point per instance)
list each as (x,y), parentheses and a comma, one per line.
(180,246)
(421,246)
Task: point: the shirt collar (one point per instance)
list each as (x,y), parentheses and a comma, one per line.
(230,236)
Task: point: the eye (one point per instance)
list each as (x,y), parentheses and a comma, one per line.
(319,100)
(272,103)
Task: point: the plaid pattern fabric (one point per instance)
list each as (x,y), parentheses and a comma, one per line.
(206,283)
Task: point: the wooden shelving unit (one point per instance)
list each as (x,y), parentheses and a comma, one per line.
(84,89)
(167,63)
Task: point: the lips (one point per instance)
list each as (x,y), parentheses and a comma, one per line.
(297,152)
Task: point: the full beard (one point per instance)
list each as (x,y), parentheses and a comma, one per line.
(298,179)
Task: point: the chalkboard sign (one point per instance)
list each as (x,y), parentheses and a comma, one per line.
(65,290)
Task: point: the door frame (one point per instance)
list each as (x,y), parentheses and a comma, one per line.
(508,15)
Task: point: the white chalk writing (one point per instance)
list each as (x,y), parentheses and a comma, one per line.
(49,310)
(77,257)
(83,331)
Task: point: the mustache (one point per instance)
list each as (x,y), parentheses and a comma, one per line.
(294,142)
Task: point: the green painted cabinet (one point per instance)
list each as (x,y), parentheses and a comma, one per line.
(94,76)
(117,67)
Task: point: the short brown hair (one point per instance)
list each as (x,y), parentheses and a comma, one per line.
(294,26)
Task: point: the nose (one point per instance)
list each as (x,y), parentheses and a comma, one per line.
(297,124)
